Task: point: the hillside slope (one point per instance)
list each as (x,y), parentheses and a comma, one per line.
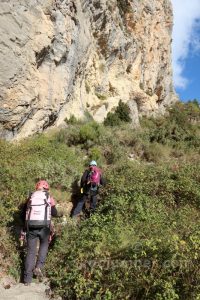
(143,242)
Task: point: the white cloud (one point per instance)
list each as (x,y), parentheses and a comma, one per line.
(186,17)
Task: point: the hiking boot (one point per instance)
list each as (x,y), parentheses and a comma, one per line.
(27,283)
(38,273)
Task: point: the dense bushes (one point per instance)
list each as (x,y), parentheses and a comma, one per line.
(140,245)
(181,125)
(121,114)
(144,240)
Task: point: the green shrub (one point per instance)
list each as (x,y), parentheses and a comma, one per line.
(112,119)
(96,154)
(155,152)
(121,114)
(86,135)
(180,125)
(72,120)
(10,256)
(89,132)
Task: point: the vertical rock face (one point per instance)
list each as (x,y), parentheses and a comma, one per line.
(62,57)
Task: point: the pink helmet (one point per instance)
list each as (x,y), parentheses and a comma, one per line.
(42,184)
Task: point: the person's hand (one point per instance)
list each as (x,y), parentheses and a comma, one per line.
(59,210)
(60,213)
(22,239)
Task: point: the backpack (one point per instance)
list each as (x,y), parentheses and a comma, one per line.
(94,178)
(38,212)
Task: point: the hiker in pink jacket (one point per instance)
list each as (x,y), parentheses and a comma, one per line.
(91,180)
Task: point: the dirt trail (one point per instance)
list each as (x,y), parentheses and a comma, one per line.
(36,291)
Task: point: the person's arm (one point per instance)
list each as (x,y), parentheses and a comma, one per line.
(54,211)
(84,178)
(23,216)
(102,181)
(23,211)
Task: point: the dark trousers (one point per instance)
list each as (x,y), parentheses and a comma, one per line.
(33,237)
(82,201)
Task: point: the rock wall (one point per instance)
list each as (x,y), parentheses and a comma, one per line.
(62,57)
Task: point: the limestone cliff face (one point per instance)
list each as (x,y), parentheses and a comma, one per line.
(63,57)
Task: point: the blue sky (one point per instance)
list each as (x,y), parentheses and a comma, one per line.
(186,48)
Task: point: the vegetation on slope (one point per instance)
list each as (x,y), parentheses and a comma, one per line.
(144,240)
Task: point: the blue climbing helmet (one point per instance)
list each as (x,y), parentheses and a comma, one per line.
(93,163)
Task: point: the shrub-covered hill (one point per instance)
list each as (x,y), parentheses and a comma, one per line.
(144,240)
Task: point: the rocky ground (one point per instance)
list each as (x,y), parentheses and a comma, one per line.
(36,291)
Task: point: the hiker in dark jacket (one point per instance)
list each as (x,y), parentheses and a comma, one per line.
(89,186)
(38,229)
